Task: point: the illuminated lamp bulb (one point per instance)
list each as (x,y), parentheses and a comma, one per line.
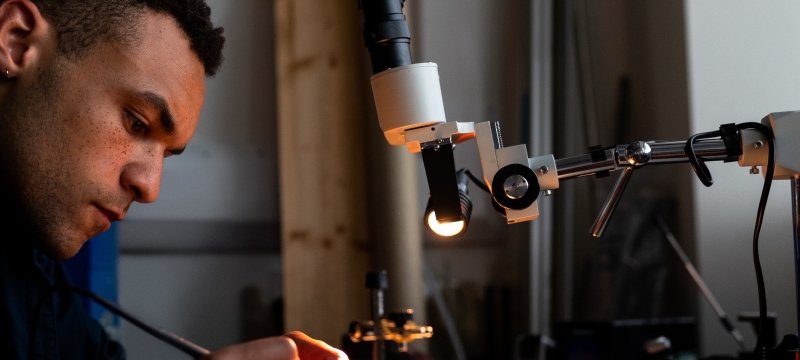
(445,229)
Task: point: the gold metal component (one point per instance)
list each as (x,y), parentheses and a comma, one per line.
(410,331)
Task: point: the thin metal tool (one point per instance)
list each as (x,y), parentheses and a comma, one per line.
(687,263)
(188,347)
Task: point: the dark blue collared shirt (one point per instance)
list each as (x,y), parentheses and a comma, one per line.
(39,323)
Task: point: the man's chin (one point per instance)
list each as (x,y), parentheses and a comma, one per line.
(61,250)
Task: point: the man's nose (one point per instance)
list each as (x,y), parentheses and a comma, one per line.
(143,178)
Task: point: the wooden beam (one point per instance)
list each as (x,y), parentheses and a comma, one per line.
(321,87)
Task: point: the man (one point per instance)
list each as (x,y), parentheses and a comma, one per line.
(94,94)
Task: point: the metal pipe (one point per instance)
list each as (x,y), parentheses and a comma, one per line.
(670,152)
(583,165)
(663,152)
(601,222)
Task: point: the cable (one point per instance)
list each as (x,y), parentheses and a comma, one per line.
(701,170)
(182,344)
(477,181)
(761,348)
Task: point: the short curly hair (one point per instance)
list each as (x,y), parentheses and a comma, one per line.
(81,24)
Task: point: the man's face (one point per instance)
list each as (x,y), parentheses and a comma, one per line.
(91,135)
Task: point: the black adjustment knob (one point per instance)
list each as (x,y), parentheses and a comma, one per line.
(400,318)
(377,280)
(354,330)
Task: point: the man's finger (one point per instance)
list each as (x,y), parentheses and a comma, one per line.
(313,349)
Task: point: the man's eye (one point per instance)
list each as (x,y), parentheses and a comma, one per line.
(137,125)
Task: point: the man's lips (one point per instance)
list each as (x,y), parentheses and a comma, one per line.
(111,214)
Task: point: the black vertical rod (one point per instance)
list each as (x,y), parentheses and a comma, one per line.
(386,34)
(796,235)
(377,282)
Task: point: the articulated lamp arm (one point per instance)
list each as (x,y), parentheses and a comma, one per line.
(515,181)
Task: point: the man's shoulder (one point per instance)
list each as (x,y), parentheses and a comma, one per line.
(36,316)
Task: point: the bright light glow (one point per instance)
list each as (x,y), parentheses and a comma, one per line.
(444,229)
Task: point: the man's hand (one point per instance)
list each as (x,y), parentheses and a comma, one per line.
(292,346)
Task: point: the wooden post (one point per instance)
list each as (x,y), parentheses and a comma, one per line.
(321,84)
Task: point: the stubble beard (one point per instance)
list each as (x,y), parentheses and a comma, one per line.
(38,205)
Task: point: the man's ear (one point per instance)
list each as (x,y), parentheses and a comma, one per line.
(24,36)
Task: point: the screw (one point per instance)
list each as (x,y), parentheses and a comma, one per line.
(548,192)
(754,170)
(543,170)
(758,144)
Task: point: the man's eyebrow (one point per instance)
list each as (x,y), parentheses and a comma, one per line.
(164,115)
